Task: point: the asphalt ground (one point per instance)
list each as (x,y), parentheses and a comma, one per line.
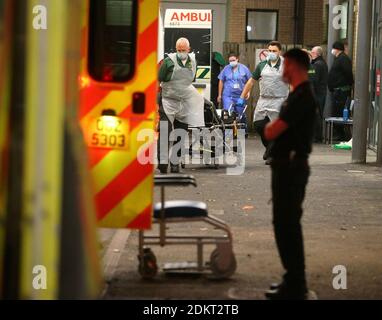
(342,225)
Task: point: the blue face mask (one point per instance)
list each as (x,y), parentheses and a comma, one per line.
(272,56)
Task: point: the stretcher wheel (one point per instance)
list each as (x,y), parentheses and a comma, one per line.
(148,264)
(219,271)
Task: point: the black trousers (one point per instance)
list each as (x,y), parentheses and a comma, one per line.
(289,180)
(339,99)
(175,159)
(260,127)
(321,99)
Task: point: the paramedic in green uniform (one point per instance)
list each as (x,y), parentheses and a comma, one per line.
(180,104)
(273,91)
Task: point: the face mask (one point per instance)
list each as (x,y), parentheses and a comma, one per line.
(182,55)
(272,56)
(233,64)
(334,52)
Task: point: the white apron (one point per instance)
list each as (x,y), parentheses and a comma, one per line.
(180,99)
(273,92)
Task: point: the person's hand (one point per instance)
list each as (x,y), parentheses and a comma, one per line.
(219,99)
(247,96)
(240,102)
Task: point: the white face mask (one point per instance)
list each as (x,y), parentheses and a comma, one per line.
(233,64)
(334,52)
(272,56)
(182,55)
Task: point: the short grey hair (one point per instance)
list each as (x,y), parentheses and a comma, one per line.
(319,50)
(184,41)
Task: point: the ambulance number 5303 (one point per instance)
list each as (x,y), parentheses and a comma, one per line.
(109,132)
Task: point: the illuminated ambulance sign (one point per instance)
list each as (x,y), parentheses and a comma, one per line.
(196,26)
(199,19)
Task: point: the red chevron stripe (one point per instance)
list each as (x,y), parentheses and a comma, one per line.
(120,187)
(90,97)
(143,220)
(147,42)
(96,155)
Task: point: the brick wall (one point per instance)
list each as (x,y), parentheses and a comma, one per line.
(314,23)
(313,20)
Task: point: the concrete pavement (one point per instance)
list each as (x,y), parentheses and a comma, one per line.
(342,226)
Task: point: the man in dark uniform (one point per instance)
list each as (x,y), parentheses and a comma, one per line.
(291,136)
(320,87)
(340,82)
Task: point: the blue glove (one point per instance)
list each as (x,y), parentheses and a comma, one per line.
(240,102)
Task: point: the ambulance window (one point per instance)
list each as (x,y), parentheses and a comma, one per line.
(112,40)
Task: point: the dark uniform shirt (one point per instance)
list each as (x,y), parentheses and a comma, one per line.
(312,76)
(321,76)
(299,112)
(341,73)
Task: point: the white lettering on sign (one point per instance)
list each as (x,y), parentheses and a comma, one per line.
(191,16)
(40,21)
(340,20)
(188,18)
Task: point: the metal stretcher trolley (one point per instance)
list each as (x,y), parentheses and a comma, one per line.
(222,259)
(225,127)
